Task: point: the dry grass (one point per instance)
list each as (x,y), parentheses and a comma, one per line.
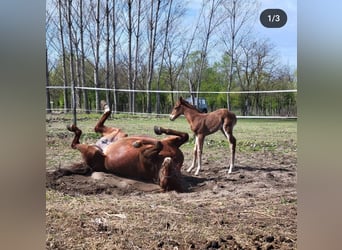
(254,208)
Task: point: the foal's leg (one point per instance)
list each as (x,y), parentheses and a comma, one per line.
(200,141)
(194,159)
(228,132)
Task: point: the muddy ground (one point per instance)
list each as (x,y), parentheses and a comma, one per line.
(255,207)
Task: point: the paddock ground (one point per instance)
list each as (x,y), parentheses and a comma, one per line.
(255,207)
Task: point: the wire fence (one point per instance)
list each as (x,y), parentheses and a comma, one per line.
(283,106)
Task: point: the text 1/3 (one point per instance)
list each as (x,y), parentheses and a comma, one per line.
(273,18)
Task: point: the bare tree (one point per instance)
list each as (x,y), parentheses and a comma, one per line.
(175,63)
(48,105)
(235,30)
(265,64)
(166,33)
(61,33)
(255,65)
(114,55)
(214,20)
(137,48)
(175,47)
(180,48)
(97,56)
(153,28)
(107,14)
(76,54)
(95,43)
(83,81)
(130,45)
(47,72)
(72,70)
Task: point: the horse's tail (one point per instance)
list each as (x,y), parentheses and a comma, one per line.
(231,116)
(77,168)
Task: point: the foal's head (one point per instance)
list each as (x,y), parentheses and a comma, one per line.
(179,107)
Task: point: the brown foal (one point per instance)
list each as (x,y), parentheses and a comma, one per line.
(203,124)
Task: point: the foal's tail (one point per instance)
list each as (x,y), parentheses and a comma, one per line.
(77,168)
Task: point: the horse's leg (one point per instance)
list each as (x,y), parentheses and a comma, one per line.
(100,127)
(81,168)
(152,151)
(173,142)
(110,133)
(83,148)
(170,176)
(177,141)
(228,132)
(194,159)
(104,106)
(78,133)
(200,140)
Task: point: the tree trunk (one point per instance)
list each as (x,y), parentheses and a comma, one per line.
(107,55)
(129,72)
(97,58)
(84,91)
(153,34)
(72,71)
(163,54)
(65,78)
(232,52)
(48,104)
(137,47)
(114,59)
(204,51)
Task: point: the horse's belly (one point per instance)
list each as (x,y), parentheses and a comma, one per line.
(122,158)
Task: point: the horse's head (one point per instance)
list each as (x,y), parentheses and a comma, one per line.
(177,109)
(170,177)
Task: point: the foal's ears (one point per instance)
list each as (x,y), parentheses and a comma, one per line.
(181,99)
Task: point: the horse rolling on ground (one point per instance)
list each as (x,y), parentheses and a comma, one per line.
(203,124)
(137,157)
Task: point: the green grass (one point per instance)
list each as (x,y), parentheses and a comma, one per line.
(252,135)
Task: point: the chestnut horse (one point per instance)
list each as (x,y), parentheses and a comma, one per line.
(203,124)
(137,157)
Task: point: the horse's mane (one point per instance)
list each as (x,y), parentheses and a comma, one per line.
(189,105)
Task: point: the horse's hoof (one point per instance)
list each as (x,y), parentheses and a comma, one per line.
(157,130)
(106,108)
(71,127)
(167,161)
(230,169)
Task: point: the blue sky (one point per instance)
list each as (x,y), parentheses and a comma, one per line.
(284,39)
